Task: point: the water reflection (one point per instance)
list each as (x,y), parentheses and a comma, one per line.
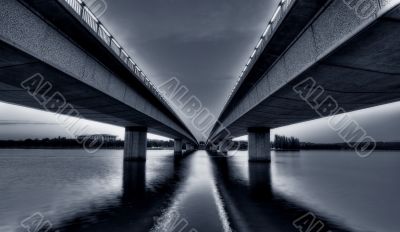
(260,181)
(197,205)
(251,203)
(134,182)
(140,202)
(81,192)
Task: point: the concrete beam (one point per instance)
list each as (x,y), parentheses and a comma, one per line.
(135,144)
(336,45)
(78,65)
(259,144)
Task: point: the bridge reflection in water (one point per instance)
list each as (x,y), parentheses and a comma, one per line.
(202,191)
(251,202)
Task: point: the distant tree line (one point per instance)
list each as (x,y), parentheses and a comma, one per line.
(239,145)
(62,142)
(345,146)
(280,143)
(160,143)
(286,143)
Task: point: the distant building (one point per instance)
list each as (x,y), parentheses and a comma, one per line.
(98,137)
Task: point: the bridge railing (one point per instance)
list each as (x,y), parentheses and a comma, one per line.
(279,14)
(90,19)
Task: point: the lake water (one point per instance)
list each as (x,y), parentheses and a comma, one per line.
(72,190)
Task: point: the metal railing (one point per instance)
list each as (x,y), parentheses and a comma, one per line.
(280,12)
(79,7)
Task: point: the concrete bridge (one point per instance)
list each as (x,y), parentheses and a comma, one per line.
(346,50)
(60,43)
(310,49)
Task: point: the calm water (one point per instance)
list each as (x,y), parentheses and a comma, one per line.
(76,191)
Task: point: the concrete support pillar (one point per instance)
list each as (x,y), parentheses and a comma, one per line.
(135,143)
(213,148)
(178,147)
(259,144)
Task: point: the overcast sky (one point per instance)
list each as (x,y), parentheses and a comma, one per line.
(205,44)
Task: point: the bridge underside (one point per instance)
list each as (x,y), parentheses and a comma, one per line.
(363,72)
(15,67)
(98,85)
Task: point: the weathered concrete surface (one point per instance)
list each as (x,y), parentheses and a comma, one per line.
(135,144)
(259,144)
(178,147)
(94,85)
(355,60)
(302,11)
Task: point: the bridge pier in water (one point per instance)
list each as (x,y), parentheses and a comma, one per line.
(213,148)
(189,147)
(135,144)
(259,144)
(178,147)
